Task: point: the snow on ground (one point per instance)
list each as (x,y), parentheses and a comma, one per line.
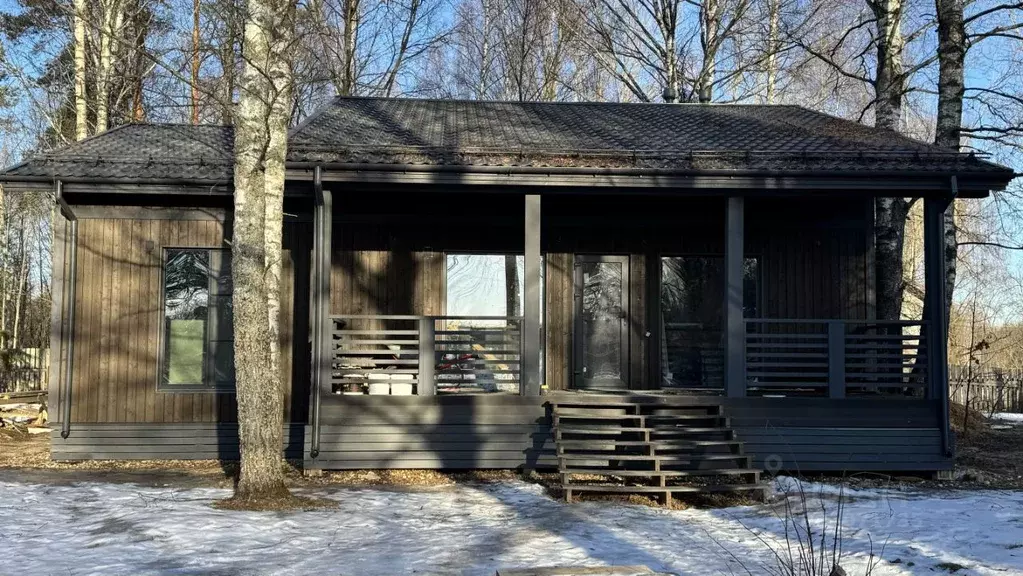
(1008,417)
(114,529)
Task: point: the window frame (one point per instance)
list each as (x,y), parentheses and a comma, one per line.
(209,385)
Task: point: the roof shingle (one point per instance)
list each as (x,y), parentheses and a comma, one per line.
(676,137)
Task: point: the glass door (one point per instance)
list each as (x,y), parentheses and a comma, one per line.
(601,340)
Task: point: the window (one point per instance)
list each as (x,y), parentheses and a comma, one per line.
(198,339)
(478,349)
(484,284)
(692,317)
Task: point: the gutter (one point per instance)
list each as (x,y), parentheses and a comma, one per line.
(588,171)
(65,395)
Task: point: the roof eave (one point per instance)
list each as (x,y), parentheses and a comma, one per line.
(970,183)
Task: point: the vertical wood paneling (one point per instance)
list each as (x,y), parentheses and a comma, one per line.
(117,331)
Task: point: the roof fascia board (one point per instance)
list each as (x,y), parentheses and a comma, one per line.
(910,184)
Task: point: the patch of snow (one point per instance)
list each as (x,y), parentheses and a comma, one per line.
(1009,417)
(113,529)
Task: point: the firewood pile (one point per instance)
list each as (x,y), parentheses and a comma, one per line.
(19,421)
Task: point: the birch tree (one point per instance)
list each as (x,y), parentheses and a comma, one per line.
(80,51)
(261,128)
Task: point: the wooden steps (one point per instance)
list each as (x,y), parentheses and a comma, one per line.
(623,445)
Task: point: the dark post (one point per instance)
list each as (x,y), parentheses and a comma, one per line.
(735,325)
(319,307)
(936,322)
(531,308)
(836,359)
(427,356)
(326,326)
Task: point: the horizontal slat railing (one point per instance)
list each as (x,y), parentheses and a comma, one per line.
(885,356)
(478,353)
(376,354)
(425,355)
(835,358)
(786,355)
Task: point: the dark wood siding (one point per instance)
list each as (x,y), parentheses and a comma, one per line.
(119,305)
(179,441)
(792,435)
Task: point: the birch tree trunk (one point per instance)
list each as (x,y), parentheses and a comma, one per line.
(511,284)
(710,23)
(261,127)
(773,19)
(113,17)
(351,23)
(19,290)
(3,258)
(81,101)
(889,213)
(948,131)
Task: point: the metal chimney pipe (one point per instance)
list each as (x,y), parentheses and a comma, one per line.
(669,95)
(705,94)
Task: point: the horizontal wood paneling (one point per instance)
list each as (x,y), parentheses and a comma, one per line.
(797,434)
(160,441)
(119,308)
(514,432)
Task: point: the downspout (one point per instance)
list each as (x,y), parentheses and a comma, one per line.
(65,395)
(946,434)
(317,311)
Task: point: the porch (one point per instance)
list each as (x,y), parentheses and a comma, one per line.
(762,305)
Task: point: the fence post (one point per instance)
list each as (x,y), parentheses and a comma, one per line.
(427,356)
(836,359)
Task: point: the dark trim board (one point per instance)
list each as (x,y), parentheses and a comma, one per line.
(159,442)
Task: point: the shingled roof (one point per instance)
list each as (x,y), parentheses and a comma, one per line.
(143,152)
(377,131)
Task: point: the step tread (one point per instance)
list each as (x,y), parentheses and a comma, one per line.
(655,474)
(635,443)
(662,489)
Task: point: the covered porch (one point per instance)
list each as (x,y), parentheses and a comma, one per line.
(762,302)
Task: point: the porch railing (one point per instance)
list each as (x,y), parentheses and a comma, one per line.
(835,358)
(403,354)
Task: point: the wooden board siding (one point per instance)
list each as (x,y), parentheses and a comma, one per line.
(373,272)
(116,370)
(181,441)
(452,432)
(790,435)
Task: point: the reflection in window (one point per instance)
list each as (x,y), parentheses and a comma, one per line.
(692,318)
(198,343)
(479,341)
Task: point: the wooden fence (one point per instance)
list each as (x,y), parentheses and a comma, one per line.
(24,369)
(990,390)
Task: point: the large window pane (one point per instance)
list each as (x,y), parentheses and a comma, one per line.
(479,350)
(484,284)
(198,340)
(692,304)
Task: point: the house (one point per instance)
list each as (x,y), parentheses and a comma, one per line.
(672,261)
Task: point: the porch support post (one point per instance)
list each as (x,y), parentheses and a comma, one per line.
(735,325)
(531,308)
(319,307)
(936,322)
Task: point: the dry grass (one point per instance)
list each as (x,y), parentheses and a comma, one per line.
(282,503)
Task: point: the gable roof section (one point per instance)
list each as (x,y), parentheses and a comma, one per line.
(391,134)
(139,152)
(681,137)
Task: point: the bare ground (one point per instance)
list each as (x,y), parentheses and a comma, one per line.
(986,458)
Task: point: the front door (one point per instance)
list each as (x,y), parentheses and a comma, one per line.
(601,341)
